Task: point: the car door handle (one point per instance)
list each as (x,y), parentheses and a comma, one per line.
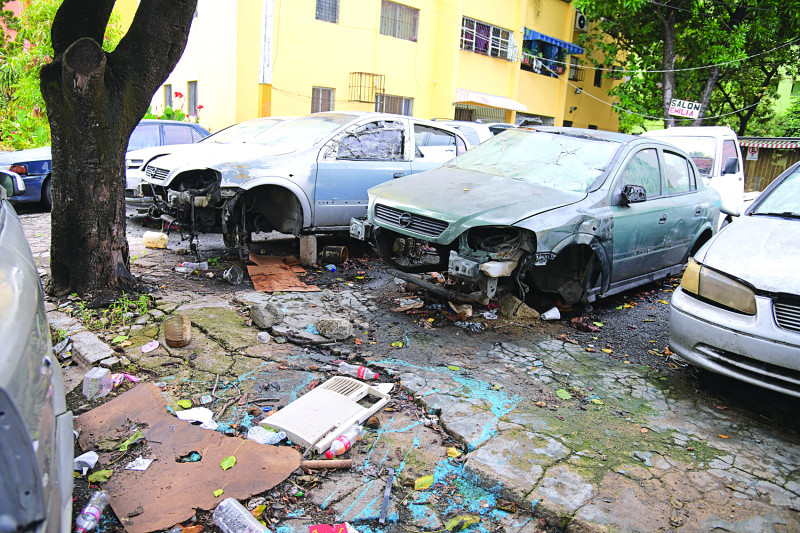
(698,211)
(399,174)
(663,219)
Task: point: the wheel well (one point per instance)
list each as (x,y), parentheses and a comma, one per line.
(574,271)
(272,207)
(701,240)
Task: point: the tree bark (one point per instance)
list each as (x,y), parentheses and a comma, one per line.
(94,101)
(668,64)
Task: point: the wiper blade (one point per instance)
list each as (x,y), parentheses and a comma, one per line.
(785,214)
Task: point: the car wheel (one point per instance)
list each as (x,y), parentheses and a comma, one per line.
(47,195)
(725,222)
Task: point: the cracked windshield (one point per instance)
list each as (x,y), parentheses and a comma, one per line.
(563,161)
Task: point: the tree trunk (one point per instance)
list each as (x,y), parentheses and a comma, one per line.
(94,101)
(705,98)
(88,245)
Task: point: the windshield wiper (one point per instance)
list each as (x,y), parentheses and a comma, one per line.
(785,214)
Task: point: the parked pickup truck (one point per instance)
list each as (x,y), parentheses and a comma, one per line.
(715,150)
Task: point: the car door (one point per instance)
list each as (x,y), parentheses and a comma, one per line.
(364,155)
(433,147)
(686,212)
(729,186)
(640,229)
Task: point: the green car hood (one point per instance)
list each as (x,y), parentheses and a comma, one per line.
(465,198)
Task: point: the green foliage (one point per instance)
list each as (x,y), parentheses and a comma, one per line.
(632,35)
(23,117)
(121,312)
(788,123)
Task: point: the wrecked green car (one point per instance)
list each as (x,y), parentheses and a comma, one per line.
(576,214)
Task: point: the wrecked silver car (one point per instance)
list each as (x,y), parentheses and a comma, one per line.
(576,214)
(302,176)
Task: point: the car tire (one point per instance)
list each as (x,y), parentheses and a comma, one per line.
(47,195)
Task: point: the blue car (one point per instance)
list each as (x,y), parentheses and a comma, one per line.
(34,164)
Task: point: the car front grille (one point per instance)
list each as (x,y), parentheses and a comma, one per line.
(156,173)
(429,227)
(787,314)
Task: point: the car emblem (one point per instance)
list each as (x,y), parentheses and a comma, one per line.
(404,220)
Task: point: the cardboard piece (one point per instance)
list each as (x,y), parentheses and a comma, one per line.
(169,491)
(274,274)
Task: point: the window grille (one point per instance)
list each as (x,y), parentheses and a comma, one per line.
(322,99)
(364,86)
(477,112)
(191,99)
(398,20)
(486,39)
(328,10)
(576,73)
(400,105)
(598,78)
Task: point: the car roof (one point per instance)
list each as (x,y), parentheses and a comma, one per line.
(600,135)
(700,131)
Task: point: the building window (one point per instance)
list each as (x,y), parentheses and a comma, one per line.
(191,99)
(328,10)
(544,58)
(364,86)
(486,39)
(567,123)
(322,99)
(598,78)
(576,73)
(592,127)
(401,105)
(398,20)
(167,95)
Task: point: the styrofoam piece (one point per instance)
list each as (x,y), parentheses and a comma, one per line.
(318,417)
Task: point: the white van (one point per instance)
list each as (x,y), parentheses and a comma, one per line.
(715,150)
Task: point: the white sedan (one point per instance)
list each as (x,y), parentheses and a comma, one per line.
(737,311)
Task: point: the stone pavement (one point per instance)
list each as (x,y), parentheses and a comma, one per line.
(584,442)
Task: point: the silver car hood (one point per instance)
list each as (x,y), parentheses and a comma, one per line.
(760,250)
(219,156)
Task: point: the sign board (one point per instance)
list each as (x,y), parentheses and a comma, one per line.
(684,108)
(752,153)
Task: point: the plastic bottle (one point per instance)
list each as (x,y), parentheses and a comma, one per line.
(90,515)
(344,441)
(234,275)
(232,517)
(155,239)
(361,372)
(188,268)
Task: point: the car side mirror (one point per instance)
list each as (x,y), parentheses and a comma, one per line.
(12,183)
(633,194)
(731,166)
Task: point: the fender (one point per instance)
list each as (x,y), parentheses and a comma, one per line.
(705,227)
(597,247)
(278,181)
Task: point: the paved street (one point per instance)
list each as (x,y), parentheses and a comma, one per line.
(557,429)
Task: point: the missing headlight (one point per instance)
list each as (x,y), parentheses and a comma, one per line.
(494,240)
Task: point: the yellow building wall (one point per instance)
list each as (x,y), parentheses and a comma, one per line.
(224,54)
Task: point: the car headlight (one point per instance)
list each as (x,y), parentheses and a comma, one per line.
(718,288)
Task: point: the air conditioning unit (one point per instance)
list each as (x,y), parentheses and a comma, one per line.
(581,24)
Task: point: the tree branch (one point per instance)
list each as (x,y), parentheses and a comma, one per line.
(80,18)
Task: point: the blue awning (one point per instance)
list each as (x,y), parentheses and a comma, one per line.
(531,35)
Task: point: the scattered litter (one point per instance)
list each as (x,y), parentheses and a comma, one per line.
(100,476)
(234,275)
(263,337)
(334,254)
(117,379)
(155,239)
(489,315)
(332,268)
(462,310)
(336,528)
(177,331)
(360,372)
(551,314)
(233,517)
(344,442)
(407,304)
(263,435)
(198,414)
(190,458)
(85,462)
(171,492)
(97,383)
(386,494)
(150,346)
(133,439)
(188,268)
(581,323)
(271,274)
(63,349)
(472,326)
(91,514)
(139,464)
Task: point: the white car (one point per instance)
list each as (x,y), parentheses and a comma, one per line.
(737,311)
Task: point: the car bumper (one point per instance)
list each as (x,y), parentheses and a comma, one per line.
(33,190)
(749,348)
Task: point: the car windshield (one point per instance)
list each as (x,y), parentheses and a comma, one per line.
(305,131)
(700,149)
(562,161)
(783,200)
(242,132)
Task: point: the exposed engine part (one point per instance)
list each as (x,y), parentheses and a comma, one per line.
(573,273)
(501,241)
